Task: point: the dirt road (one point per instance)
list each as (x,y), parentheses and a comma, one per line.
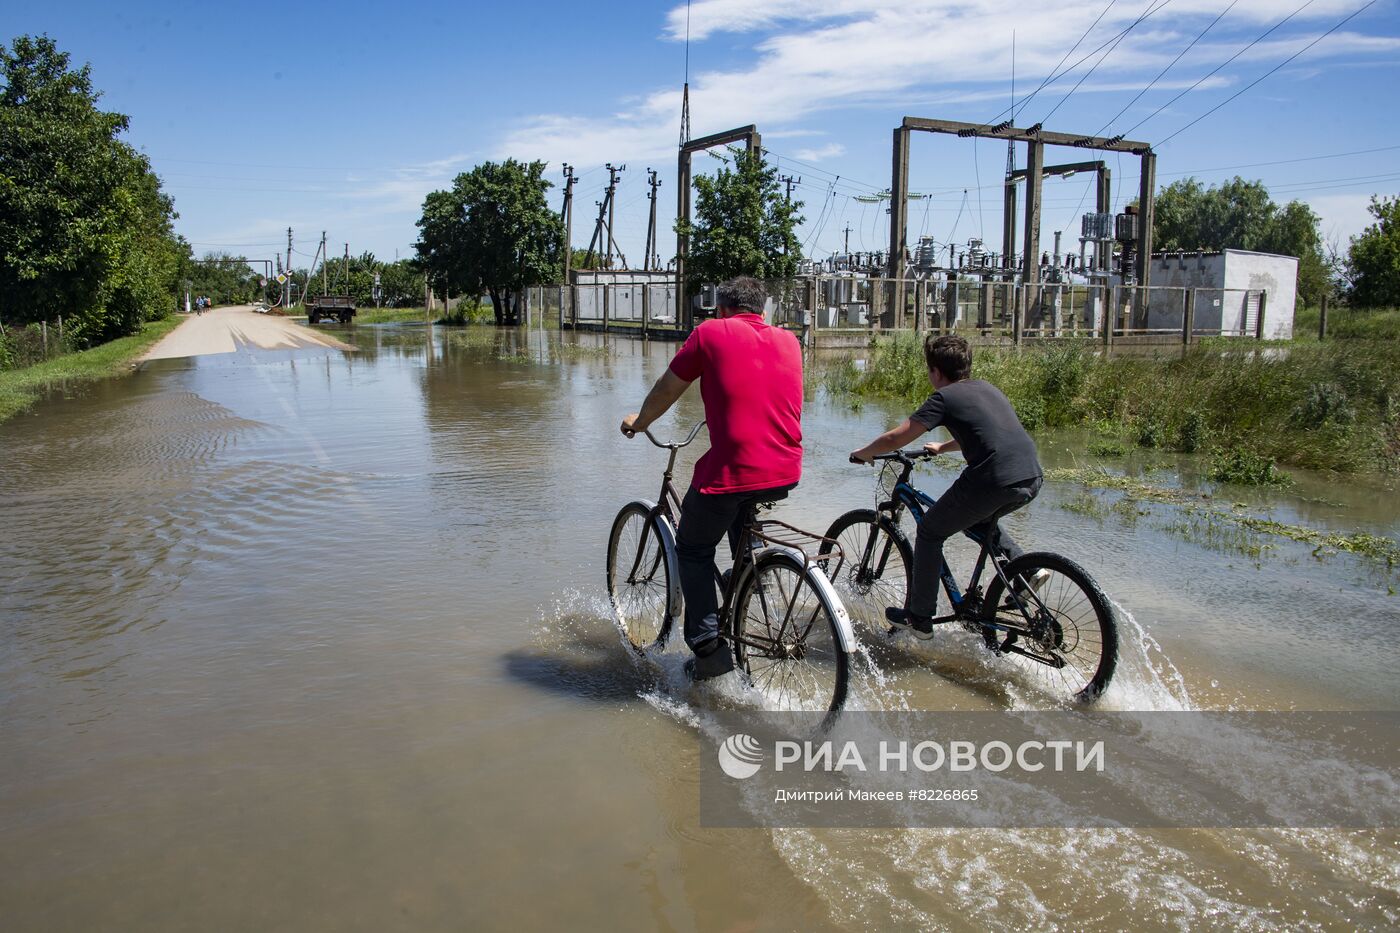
(225,330)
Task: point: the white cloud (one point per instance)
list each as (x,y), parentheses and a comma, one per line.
(829,151)
(810,58)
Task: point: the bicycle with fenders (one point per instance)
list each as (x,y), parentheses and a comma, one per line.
(788,631)
(1041,609)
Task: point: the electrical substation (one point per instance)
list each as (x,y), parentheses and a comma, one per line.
(1102,282)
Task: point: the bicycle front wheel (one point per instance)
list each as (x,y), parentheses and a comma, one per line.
(874,568)
(786,637)
(1058,623)
(639,576)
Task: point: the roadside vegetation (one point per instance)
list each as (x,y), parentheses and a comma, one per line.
(1323,406)
(1345,323)
(21,388)
(466,312)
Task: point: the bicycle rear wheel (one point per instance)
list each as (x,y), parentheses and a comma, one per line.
(1066,637)
(786,637)
(875,568)
(639,576)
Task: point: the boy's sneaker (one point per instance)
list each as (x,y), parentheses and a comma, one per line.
(1036,581)
(921,626)
(711,660)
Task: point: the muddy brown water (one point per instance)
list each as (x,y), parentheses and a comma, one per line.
(317,640)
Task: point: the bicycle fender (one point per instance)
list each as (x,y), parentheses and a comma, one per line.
(668,547)
(817,577)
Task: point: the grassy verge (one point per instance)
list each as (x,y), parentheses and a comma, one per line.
(1348,324)
(1330,406)
(21,388)
(390,316)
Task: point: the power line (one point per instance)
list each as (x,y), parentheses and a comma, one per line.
(1266,74)
(854,182)
(1169,67)
(1055,76)
(1121,36)
(1334,155)
(1049,77)
(1262,36)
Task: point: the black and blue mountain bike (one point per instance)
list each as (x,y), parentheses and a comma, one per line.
(1041,609)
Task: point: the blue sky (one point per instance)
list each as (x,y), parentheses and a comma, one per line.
(340,117)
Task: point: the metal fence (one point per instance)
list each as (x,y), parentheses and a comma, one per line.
(846,310)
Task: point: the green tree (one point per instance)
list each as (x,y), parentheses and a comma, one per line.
(744,225)
(1239,214)
(401,283)
(1373,263)
(493,232)
(85,230)
(222,277)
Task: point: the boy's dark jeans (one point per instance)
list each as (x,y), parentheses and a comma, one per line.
(705,519)
(966,504)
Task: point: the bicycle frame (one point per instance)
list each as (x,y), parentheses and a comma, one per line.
(668,508)
(966,605)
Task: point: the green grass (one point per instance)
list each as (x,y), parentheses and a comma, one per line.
(391,316)
(1348,323)
(1330,406)
(21,388)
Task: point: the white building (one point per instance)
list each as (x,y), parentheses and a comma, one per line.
(1229,287)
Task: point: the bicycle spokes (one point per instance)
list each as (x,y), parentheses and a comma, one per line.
(786,639)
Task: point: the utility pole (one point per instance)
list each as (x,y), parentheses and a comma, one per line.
(325,285)
(612,207)
(569,182)
(789,181)
(846,249)
(597,233)
(287,289)
(650,260)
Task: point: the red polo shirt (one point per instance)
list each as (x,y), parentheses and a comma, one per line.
(751,382)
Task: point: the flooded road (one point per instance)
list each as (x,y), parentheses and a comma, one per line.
(306,639)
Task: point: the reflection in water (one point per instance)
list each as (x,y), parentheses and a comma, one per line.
(330,628)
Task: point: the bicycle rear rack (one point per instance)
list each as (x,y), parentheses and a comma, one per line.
(806,543)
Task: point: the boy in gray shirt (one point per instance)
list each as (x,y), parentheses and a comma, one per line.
(1002,474)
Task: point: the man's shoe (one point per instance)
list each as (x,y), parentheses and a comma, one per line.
(921,626)
(710,661)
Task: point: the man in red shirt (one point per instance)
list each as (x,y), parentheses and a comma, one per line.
(751,382)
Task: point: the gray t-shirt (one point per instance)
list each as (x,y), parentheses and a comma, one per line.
(980,418)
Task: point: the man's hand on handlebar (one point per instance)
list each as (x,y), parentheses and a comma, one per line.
(860,456)
(629,425)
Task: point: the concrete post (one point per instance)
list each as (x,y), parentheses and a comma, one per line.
(1259,321)
(899,218)
(1147,196)
(1008,226)
(1322,320)
(684,313)
(1109,313)
(1188,319)
(1030,261)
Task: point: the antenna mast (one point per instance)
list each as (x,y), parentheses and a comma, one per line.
(685,88)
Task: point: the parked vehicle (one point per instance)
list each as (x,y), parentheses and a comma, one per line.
(335,307)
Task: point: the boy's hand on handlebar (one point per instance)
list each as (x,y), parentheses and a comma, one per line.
(857,458)
(933,448)
(629,425)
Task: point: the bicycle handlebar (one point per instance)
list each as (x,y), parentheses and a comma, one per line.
(694,432)
(903,456)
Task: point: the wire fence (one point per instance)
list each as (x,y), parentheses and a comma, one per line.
(849,310)
(22,346)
